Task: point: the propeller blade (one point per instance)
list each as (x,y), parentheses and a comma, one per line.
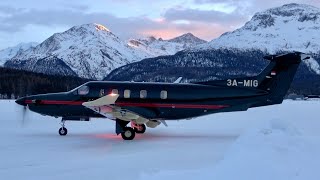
(24,113)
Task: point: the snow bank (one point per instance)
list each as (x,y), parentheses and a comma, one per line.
(275,149)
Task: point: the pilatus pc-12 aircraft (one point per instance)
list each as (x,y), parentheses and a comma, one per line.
(150,104)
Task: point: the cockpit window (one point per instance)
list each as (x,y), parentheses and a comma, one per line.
(84,90)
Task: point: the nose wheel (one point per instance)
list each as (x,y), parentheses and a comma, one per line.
(63,131)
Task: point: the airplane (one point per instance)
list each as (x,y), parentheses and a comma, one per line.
(146,104)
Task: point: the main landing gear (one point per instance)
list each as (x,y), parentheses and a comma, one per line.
(139,128)
(128,133)
(63,131)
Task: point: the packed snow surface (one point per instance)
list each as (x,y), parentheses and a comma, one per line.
(275,142)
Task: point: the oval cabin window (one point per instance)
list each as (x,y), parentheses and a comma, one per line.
(163,94)
(126,93)
(143,94)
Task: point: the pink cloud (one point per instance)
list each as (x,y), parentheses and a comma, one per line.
(170,30)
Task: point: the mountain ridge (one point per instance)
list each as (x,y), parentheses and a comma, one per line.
(9,52)
(90,51)
(273,30)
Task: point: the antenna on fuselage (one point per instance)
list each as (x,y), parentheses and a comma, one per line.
(178,80)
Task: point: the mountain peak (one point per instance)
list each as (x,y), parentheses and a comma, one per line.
(188,35)
(8,53)
(90,51)
(89,28)
(285,13)
(101,27)
(291,27)
(295,6)
(187,39)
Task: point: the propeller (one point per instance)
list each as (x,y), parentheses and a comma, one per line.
(24,110)
(24,113)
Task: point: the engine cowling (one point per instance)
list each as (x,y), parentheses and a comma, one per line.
(153,123)
(141,120)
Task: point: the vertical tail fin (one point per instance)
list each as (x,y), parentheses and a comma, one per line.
(277,77)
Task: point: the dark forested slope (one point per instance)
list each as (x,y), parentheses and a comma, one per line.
(16,83)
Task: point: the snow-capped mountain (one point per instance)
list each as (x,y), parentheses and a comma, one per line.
(291,27)
(89,51)
(10,52)
(159,47)
(155,47)
(188,40)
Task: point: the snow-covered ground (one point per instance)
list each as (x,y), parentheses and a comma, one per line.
(276,142)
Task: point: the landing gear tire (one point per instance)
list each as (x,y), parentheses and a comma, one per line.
(128,133)
(141,129)
(63,131)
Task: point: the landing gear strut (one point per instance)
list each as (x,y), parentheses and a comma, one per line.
(63,131)
(138,128)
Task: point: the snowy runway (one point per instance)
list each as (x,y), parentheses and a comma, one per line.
(205,147)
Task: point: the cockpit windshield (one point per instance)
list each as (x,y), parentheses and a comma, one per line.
(81,90)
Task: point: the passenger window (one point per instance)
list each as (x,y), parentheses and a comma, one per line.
(84,90)
(101,92)
(114,91)
(143,94)
(127,93)
(163,94)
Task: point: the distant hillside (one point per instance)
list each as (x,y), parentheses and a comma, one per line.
(92,51)
(18,83)
(210,65)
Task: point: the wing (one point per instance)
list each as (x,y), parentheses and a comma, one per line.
(107,108)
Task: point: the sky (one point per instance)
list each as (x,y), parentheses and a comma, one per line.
(36,20)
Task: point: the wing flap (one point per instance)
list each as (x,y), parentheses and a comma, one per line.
(105,100)
(105,106)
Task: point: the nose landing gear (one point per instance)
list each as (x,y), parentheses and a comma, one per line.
(63,131)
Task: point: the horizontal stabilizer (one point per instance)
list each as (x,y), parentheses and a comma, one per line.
(105,100)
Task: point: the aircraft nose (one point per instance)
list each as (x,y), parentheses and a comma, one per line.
(21,101)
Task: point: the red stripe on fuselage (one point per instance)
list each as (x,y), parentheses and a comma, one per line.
(185,106)
(127,104)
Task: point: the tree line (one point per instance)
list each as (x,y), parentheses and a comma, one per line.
(18,83)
